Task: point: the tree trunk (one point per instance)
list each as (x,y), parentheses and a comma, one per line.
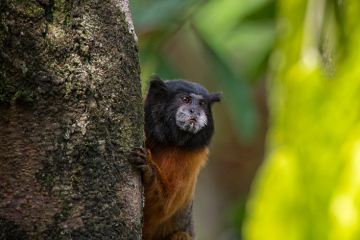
(70,111)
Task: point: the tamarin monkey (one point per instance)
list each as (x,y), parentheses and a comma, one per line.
(178,130)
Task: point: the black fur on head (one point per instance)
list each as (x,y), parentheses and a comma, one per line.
(162,106)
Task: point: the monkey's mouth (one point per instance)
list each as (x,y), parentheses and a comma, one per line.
(192,120)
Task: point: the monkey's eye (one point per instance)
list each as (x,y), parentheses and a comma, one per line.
(185,99)
(202,103)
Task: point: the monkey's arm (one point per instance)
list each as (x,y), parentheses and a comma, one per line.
(154,179)
(159,199)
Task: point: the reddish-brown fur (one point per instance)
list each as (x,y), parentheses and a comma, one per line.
(169,186)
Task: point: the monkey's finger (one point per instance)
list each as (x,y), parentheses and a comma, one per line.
(142,166)
(140,155)
(139,148)
(138,160)
(142,150)
(143,155)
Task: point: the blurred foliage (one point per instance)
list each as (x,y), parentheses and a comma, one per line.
(309,186)
(235,38)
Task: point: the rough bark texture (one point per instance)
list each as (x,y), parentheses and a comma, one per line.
(70,111)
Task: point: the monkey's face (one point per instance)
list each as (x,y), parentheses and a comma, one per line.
(191,116)
(178,113)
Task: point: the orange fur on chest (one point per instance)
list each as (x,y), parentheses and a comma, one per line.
(178,166)
(180,170)
(173,188)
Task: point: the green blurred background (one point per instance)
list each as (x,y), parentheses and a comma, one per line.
(285,159)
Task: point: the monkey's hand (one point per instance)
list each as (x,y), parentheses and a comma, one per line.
(153,178)
(152,174)
(142,159)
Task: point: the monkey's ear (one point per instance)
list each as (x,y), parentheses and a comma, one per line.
(157,84)
(215,97)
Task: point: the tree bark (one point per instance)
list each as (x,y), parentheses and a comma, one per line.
(70,111)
